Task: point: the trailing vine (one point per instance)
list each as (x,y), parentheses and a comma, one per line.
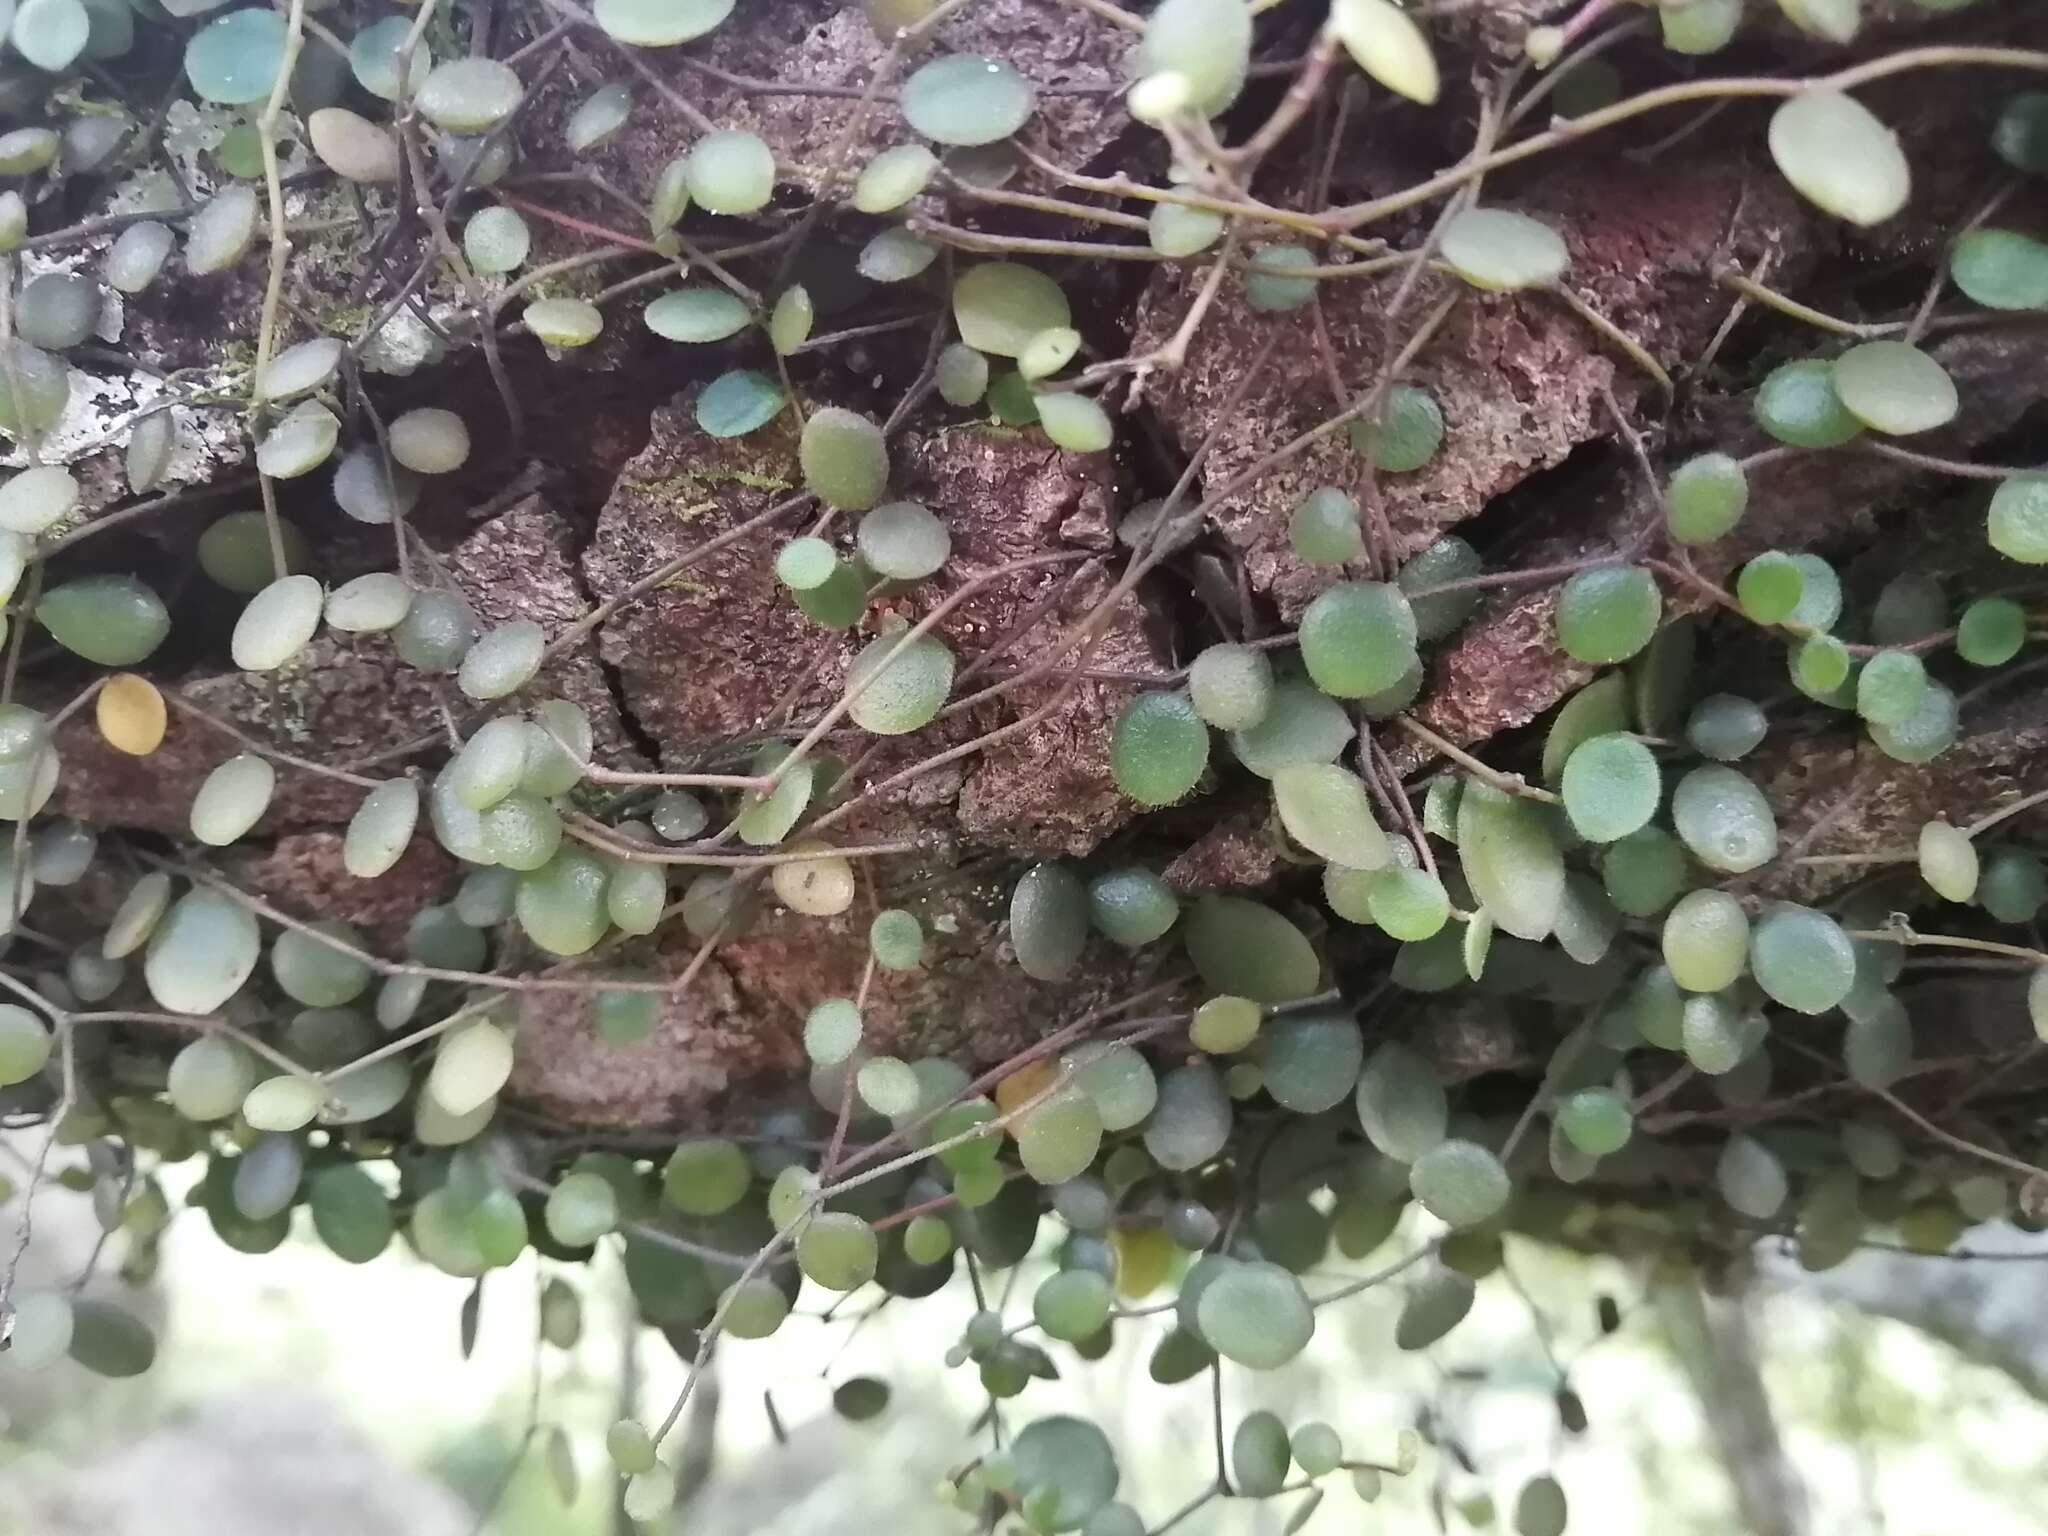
(1692,996)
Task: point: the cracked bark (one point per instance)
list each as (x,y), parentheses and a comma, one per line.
(1529,470)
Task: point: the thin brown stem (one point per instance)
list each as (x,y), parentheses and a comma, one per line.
(1512,783)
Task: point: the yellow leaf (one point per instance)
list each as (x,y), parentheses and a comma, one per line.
(131,714)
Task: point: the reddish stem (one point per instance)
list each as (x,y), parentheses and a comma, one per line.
(584,226)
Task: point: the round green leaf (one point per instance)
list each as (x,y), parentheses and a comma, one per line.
(1724,819)
(896,257)
(1246,949)
(277,623)
(2018,526)
(561,906)
(564,322)
(1206,44)
(1325,530)
(1073,1304)
(1924,734)
(659,23)
(966,99)
(1048,921)
(706,1177)
(1802,959)
(1511,860)
(1948,861)
(1699,26)
(1231,686)
(1409,904)
(2014,886)
(1300,725)
(106,1338)
(1358,638)
(1057,1140)
(1717,1035)
(24,1045)
(1132,907)
(37,499)
(1705,498)
(1595,1120)
(1797,404)
(838,1250)
(1075,422)
(1894,388)
(845,460)
(1407,434)
(1158,748)
(1175,230)
(496,240)
(893,178)
(44,383)
(1310,1061)
(1191,1120)
(696,314)
(1725,727)
(738,402)
(2001,269)
(1073,1459)
(1501,250)
(1991,631)
(1608,614)
(1598,709)
(902,683)
(1224,1025)
(1460,1182)
(962,375)
(1820,595)
(1326,809)
(1271,284)
(1401,1103)
(896,938)
(1890,687)
(201,952)
(1751,1179)
(113,620)
(903,541)
(2020,136)
(832,1031)
(1000,306)
(1444,562)
(373,58)
(1839,157)
(1611,787)
(1706,940)
(469,95)
(57,309)
(1256,1314)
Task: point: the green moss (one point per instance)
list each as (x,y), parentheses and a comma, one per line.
(575,283)
(289,698)
(348,320)
(691,494)
(238,356)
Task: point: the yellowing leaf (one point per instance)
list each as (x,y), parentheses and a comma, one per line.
(1387,45)
(130,713)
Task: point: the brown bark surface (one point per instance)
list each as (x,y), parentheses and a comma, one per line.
(1534,470)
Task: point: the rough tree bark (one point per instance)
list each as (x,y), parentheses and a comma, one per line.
(1534,470)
